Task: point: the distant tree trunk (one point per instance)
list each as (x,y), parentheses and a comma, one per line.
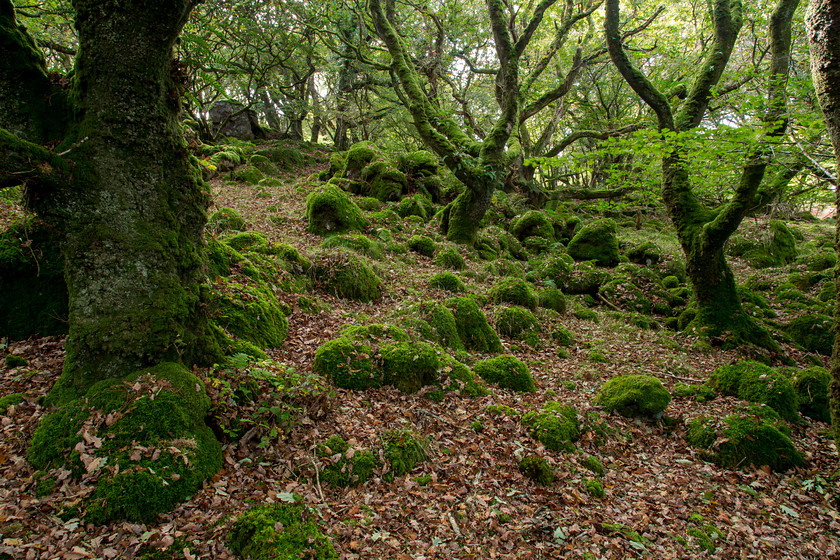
(823,22)
(270,111)
(316,111)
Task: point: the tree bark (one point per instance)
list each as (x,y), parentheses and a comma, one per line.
(823,23)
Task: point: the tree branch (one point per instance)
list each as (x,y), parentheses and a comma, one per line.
(25,163)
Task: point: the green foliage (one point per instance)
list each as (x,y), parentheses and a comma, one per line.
(330,211)
(507,372)
(473,329)
(556,426)
(537,469)
(748,437)
(448,282)
(346,274)
(515,291)
(596,242)
(634,395)
(282,530)
(404,450)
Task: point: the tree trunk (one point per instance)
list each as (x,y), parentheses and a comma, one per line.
(462,217)
(823,22)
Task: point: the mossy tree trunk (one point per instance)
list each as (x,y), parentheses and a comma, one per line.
(823,22)
(480,165)
(702,232)
(120,188)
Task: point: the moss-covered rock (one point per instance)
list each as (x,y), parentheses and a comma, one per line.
(751,436)
(248,174)
(515,291)
(562,336)
(516,322)
(552,298)
(646,254)
(382,180)
(451,259)
(33,293)
(473,329)
(330,210)
(358,243)
(448,282)
(584,279)
(812,390)
(596,242)
(408,366)
(507,372)
(422,245)
(537,469)
(249,310)
(155,453)
(283,530)
(10,400)
(416,205)
(357,158)
(404,450)
(727,378)
(554,269)
(770,388)
(348,470)
(532,224)
(556,426)
(634,395)
(814,332)
(348,363)
(346,274)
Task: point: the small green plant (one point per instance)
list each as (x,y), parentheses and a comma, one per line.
(537,469)
(477,426)
(13,361)
(593,464)
(404,449)
(595,488)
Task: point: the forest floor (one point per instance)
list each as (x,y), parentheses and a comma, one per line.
(469,499)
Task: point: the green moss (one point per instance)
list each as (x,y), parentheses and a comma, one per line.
(814,332)
(33,292)
(284,530)
(645,254)
(770,388)
(552,298)
(596,242)
(594,465)
(537,469)
(556,269)
(744,438)
(699,393)
(594,488)
(345,274)
(420,163)
(448,282)
(246,240)
(506,371)
(248,174)
(358,243)
(584,279)
(369,204)
(249,310)
(408,367)
(532,224)
(225,219)
(330,210)
(422,245)
(516,322)
(824,260)
(346,471)
(556,426)
(450,258)
(13,361)
(9,400)
(161,408)
(727,379)
(347,363)
(622,292)
(416,205)
(634,395)
(515,291)
(670,282)
(404,450)
(562,336)
(812,391)
(473,329)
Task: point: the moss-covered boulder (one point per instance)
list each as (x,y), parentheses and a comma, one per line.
(346,274)
(348,469)
(754,435)
(249,310)
(517,322)
(154,452)
(404,449)
(415,205)
(473,329)
(506,371)
(646,254)
(359,243)
(357,158)
(757,383)
(556,426)
(585,278)
(448,282)
(33,293)
(812,390)
(422,245)
(451,259)
(552,298)
(814,332)
(634,395)
(348,363)
(532,224)
(562,336)
(225,219)
(409,366)
(248,174)
(515,291)
(383,181)
(596,242)
(330,211)
(282,530)
(554,269)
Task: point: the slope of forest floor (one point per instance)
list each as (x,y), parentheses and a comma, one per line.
(469,499)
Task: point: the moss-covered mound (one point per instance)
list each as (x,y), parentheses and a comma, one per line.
(330,211)
(347,470)
(448,282)
(417,205)
(596,242)
(562,336)
(348,363)
(553,270)
(358,243)
(515,291)
(552,298)
(537,469)
(404,450)
(814,332)
(473,329)
(346,274)
(517,322)
(755,435)
(776,248)
(284,530)
(507,372)
(225,219)
(646,254)
(422,245)
(634,395)
(409,366)
(584,279)
(812,390)
(434,322)
(556,426)
(532,224)
(33,293)
(249,310)
(154,453)
(757,383)
(450,258)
